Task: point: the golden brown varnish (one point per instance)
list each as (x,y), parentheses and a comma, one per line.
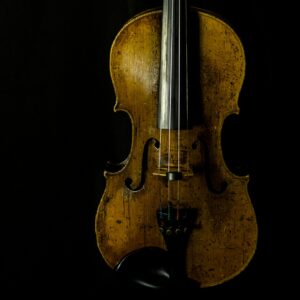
(225,234)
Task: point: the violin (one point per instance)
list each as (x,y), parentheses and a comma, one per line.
(177,73)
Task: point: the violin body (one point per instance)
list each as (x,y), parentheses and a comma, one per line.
(224,235)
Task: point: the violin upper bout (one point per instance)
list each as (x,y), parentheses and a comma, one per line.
(222,66)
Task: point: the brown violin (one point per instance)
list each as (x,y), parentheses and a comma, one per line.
(177,73)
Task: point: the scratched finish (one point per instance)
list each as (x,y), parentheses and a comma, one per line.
(224,237)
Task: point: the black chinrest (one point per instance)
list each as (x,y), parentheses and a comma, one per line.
(150,268)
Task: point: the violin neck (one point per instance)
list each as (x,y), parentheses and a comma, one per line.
(173,86)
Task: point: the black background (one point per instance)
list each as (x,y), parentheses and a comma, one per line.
(57,130)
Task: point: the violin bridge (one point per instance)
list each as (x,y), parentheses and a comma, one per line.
(172,175)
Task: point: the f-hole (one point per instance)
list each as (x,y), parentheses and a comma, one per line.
(128,181)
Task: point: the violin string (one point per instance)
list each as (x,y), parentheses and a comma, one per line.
(159,163)
(170,94)
(187,84)
(179,105)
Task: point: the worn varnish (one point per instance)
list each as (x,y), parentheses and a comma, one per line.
(224,237)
